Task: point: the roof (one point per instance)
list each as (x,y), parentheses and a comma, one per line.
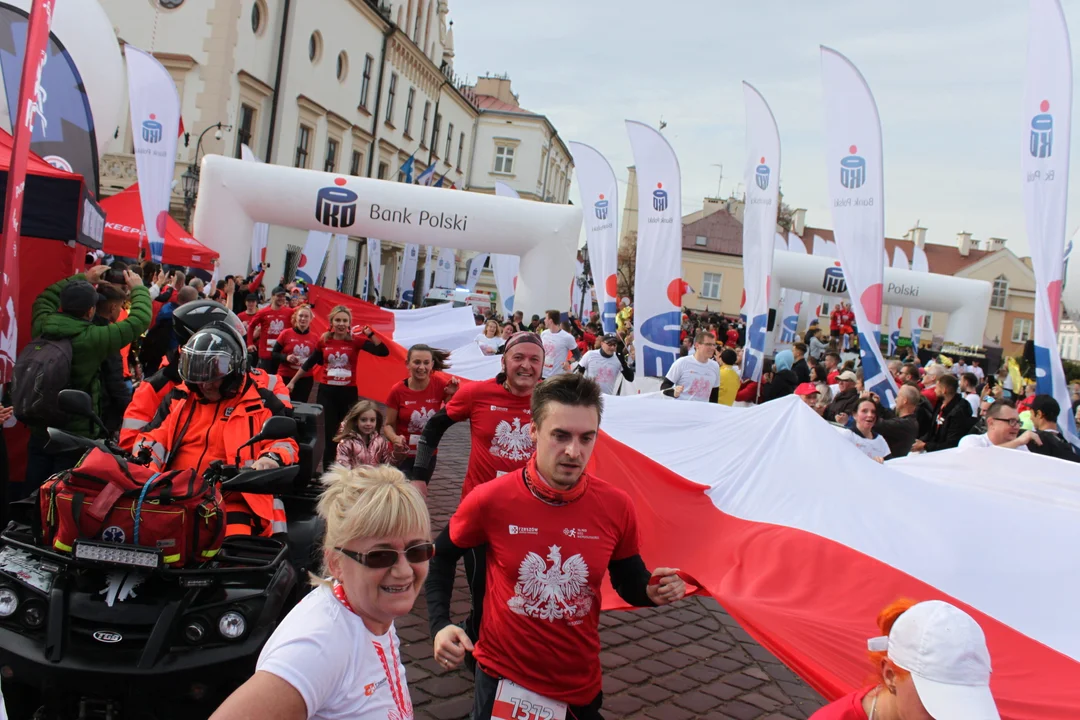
(494,104)
(941,259)
(721,230)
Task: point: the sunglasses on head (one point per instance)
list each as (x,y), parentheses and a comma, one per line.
(382,559)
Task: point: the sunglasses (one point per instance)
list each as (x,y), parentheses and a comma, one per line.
(382,559)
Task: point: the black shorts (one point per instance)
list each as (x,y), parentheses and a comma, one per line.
(834,332)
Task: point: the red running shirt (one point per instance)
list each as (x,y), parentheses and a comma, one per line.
(415,407)
(302,345)
(272,323)
(848,707)
(500,430)
(545,567)
(337,361)
(245,319)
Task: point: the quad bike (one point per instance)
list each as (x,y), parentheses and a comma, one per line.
(108,631)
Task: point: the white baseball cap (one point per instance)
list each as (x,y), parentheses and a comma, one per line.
(944,649)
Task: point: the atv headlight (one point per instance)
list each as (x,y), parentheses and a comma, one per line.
(232,625)
(9,602)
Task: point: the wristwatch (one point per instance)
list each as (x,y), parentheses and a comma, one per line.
(275,457)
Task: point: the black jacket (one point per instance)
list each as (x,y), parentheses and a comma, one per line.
(783,383)
(1054,445)
(844,402)
(801,370)
(900,432)
(115,393)
(951,422)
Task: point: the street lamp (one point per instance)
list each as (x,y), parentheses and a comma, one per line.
(190,177)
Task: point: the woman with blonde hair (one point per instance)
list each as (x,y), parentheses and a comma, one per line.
(930,663)
(292,349)
(336,654)
(489,340)
(337,354)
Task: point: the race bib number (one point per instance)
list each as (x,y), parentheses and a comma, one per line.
(414,440)
(513,702)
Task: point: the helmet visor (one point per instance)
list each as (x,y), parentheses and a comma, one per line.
(202,366)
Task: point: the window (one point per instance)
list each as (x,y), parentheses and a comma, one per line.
(449,142)
(303,146)
(408,110)
(1021,330)
(504,159)
(342,66)
(390,99)
(825,308)
(258,12)
(460,149)
(423,128)
(710,286)
(1000,293)
(435,135)
(383,170)
(416,28)
(928,321)
(365,84)
(701,241)
(244,127)
(331,156)
(314,47)
(348,283)
(292,259)
(356,167)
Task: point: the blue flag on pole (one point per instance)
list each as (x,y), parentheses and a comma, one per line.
(406,167)
(427,176)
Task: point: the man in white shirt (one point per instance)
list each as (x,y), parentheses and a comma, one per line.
(558,344)
(977,371)
(1002,430)
(698,375)
(605,365)
(959,367)
(968,385)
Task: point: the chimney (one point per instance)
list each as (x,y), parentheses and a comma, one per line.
(963,240)
(995,244)
(918,236)
(798,221)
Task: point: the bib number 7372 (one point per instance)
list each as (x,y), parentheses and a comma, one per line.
(513,702)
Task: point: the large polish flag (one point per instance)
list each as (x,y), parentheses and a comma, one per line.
(805,559)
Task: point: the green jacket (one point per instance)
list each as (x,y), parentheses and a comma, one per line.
(90,343)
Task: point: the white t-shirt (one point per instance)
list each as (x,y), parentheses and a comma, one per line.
(336,664)
(698,379)
(556,348)
(875,448)
(974,402)
(977,371)
(493,343)
(982,441)
(604,370)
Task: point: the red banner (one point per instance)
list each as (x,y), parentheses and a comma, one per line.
(31,101)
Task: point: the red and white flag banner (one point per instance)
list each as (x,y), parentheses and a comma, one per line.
(658,285)
(600,191)
(1044,153)
(155,123)
(31,108)
(856,190)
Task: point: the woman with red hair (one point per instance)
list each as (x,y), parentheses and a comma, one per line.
(930,663)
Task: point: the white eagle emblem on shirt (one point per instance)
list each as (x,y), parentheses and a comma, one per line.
(276,327)
(419,420)
(512,441)
(559,592)
(337,360)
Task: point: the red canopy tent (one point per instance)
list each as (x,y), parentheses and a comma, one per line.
(124,232)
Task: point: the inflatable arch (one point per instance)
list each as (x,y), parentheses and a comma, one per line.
(966,301)
(234,195)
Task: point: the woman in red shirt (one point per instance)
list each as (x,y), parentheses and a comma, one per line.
(336,356)
(414,400)
(949,675)
(292,349)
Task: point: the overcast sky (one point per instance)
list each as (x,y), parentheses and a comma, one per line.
(947,77)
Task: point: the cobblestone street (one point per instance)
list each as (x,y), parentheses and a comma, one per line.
(689,660)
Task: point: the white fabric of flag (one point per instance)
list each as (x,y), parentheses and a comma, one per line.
(1044,151)
(853,155)
(761,175)
(476,266)
(155,122)
(600,192)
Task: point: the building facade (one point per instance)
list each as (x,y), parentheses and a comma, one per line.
(349,86)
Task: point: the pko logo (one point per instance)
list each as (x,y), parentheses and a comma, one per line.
(834,283)
(601,208)
(1042,132)
(852,170)
(336,206)
(659,198)
(762,175)
(151,130)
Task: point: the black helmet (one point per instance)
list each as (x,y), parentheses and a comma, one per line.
(213,353)
(191,317)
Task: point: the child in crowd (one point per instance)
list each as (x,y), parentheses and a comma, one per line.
(360,439)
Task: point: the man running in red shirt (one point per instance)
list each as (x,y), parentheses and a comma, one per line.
(268,323)
(551,531)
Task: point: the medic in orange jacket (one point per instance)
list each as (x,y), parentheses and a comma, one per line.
(151,392)
(190,432)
